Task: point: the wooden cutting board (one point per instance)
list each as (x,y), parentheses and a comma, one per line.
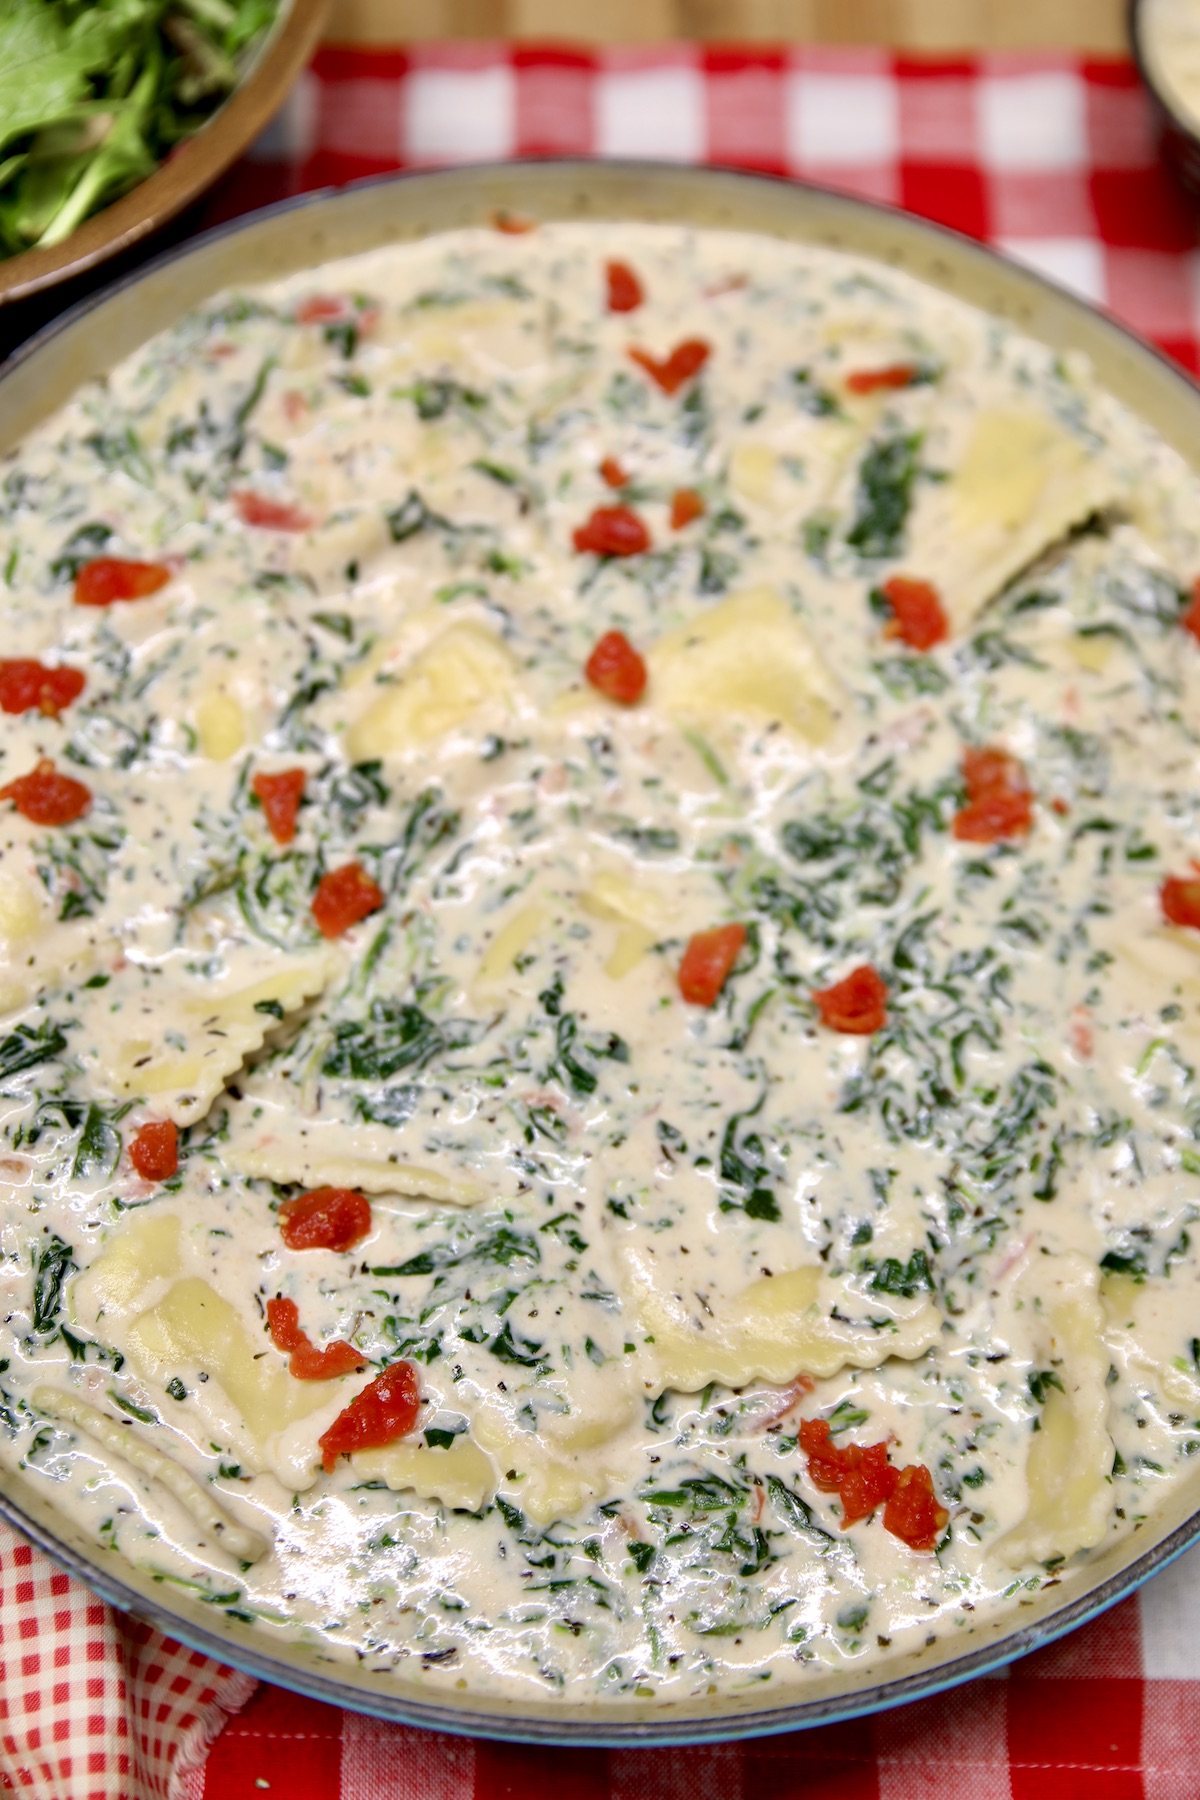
(1096,25)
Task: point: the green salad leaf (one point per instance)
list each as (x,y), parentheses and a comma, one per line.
(95,93)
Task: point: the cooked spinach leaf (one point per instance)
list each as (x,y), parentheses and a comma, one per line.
(28,1046)
(394,1035)
(55,1263)
(99,1148)
(895,1277)
(885,484)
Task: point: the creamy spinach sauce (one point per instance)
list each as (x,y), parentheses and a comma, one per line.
(628,1243)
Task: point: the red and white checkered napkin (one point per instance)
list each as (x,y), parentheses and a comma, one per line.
(1053,159)
(95,1705)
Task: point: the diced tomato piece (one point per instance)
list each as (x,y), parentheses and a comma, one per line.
(726,284)
(859,1474)
(857,1005)
(707,961)
(824,1457)
(999,803)
(616,669)
(108,579)
(686,505)
(385,1410)
(912,1511)
(512,224)
(1081,1035)
(280,795)
(917,614)
(45,797)
(28,686)
(613,531)
(625,291)
(994,816)
(671,372)
(323,309)
(867,1479)
(863,1478)
(324,1362)
(1180,897)
(308,1361)
(992,771)
(1190,617)
(612,472)
(271,515)
(343,897)
(327,1219)
(283,1322)
(870,381)
(154,1149)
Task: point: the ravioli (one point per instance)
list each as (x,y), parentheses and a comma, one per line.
(189,1042)
(328,1154)
(446,685)
(641,911)
(748,658)
(1019,483)
(1071,1453)
(220,725)
(778,1327)
(459,1474)
(506,945)
(32,942)
(235,1540)
(170,1323)
(571,1458)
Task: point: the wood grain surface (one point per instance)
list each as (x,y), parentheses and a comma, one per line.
(1096,25)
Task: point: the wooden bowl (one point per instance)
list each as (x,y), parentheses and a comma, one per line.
(189,171)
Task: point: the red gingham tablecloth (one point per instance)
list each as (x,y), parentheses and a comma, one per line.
(1053,159)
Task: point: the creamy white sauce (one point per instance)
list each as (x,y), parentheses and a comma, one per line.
(609,1227)
(1171,41)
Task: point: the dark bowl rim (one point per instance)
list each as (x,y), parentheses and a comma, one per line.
(407,1706)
